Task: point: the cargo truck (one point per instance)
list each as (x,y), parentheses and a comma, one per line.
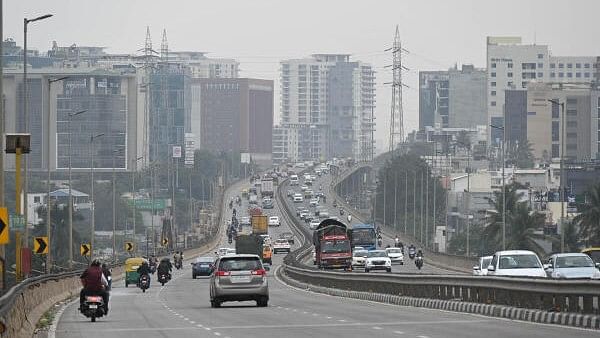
(266,187)
(260,224)
(251,244)
(332,240)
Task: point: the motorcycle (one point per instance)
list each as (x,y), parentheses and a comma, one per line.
(178,264)
(93,307)
(163,278)
(379,242)
(335,204)
(144,282)
(419,262)
(152,268)
(341,212)
(109,280)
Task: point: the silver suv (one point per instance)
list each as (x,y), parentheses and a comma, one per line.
(239,278)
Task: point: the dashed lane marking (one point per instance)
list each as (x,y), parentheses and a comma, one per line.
(377,328)
(398,332)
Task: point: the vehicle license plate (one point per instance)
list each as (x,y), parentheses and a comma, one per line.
(204,265)
(240,279)
(93,306)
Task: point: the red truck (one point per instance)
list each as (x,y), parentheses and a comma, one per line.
(332,241)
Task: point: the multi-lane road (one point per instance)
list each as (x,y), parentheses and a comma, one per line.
(181,309)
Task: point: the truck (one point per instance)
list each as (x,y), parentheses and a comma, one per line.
(251,244)
(266,187)
(260,224)
(332,239)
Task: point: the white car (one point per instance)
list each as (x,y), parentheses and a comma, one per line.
(516,263)
(359,258)
(281,245)
(378,260)
(395,255)
(313,224)
(304,188)
(481,268)
(298,198)
(313,202)
(221,252)
(571,266)
(274,221)
(267,240)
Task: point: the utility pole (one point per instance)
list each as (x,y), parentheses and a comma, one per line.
(427,208)
(405,200)
(395,200)
(562,177)
(71,115)
(93,204)
(421,200)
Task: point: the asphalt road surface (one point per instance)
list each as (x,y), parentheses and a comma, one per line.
(181,309)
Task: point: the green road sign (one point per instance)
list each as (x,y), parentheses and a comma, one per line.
(17,221)
(146,203)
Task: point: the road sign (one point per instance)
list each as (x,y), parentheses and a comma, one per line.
(4,226)
(165,241)
(129,246)
(146,203)
(40,245)
(17,221)
(85,249)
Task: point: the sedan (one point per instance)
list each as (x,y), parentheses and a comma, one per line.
(395,255)
(378,260)
(203,266)
(358,258)
(571,266)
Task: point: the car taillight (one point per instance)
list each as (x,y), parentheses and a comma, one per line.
(94,299)
(259,272)
(221,273)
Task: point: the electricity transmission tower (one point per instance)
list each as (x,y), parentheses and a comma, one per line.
(396,111)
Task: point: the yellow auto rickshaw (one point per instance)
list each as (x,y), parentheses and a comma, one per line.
(593,252)
(131,266)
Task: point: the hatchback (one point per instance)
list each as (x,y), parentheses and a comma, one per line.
(239,278)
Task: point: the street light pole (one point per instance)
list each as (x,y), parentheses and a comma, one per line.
(503,188)
(26,113)
(71,115)
(133,173)
(114,206)
(93,150)
(48,206)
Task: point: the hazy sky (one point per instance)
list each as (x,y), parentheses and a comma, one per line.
(259,33)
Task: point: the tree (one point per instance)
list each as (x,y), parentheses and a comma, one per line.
(523,223)
(589,219)
(521,155)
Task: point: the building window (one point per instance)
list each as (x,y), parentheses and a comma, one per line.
(571,101)
(528,65)
(540,65)
(553,65)
(493,74)
(586,75)
(493,65)
(555,152)
(587,65)
(553,74)
(531,113)
(578,65)
(569,65)
(555,111)
(577,74)
(571,112)
(540,56)
(561,74)
(524,84)
(569,74)
(571,135)
(493,93)
(509,74)
(561,65)
(555,131)
(493,84)
(540,74)
(572,124)
(493,103)
(510,65)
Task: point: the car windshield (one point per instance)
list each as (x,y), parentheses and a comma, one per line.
(574,262)
(363,236)
(394,250)
(377,254)
(360,253)
(485,262)
(239,264)
(335,246)
(519,262)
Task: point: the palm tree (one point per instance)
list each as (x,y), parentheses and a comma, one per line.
(589,219)
(493,228)
(523,223)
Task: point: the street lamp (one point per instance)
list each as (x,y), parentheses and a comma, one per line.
(562,181)
(503,189)
(48,206)
(71,115)
(114,204)
(93,150)
(26,113)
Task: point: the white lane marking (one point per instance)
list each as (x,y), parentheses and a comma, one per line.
(328,317)
(342,324)
(59,313)
(315,314)
(186,319)
(422,337)
(207,328)
(217,333)
(377,328)
(192,322)
(398,332)
(304,312)
(341,320)
(199,325)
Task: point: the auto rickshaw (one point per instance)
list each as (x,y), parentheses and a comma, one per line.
(131,266)
(267,254)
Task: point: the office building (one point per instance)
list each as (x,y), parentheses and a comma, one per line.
(327,102)
(234,115)
(513,65)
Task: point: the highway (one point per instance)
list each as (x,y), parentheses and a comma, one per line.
(181,309)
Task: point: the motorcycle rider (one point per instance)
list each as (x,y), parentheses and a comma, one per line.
(397,241)
(153,263)
(106,271)
(165,267)
(144,269)
(94,284)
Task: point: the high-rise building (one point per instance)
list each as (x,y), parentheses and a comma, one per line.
(513,65)
(326,106)
(234,115)
(110,102)
(452,99)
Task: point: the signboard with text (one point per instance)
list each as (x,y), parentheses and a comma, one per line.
(146,203)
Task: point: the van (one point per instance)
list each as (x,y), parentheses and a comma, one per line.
(294,180)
